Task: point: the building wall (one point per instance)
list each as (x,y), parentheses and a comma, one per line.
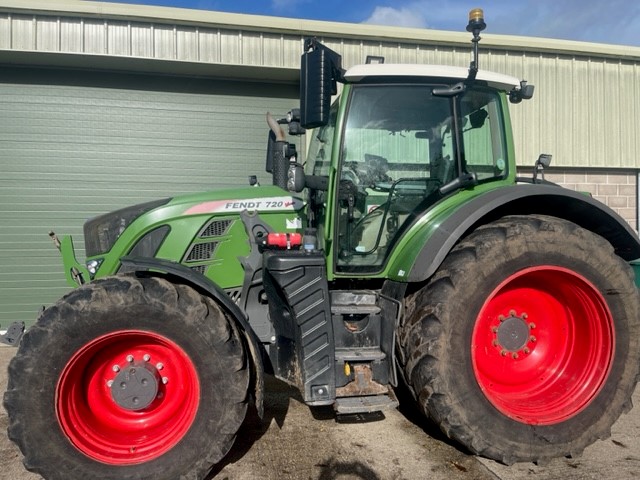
(76,144)
(217,74)
(616,188)
(584,109)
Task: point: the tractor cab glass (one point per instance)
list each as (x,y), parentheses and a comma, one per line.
(318,163)
(399,147)
(321,145)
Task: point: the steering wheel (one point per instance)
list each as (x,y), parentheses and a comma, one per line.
(369,173)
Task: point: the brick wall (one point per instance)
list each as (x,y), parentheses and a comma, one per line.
(616,188)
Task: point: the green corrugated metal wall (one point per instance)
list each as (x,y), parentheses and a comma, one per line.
(76,144)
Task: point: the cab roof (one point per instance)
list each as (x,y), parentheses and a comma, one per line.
(359,73)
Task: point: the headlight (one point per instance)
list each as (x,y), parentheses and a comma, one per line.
(94,265)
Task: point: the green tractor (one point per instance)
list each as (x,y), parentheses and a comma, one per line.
(405,250)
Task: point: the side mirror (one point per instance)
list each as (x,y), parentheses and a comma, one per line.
(544,160)
(295,178)
(320,70)
(478,118)
(525,92)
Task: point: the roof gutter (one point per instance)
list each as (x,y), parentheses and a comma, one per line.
(183,16)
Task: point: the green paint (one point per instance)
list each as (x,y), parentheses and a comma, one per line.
(187,216)
(71,265)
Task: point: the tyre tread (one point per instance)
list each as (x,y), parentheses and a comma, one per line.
(425,332)
(56,323)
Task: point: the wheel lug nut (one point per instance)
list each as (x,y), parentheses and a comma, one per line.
(503,353)
(532,338)
(159,366)
(130,358)
(524,316)
(494,343)
(116,368)
(501,318)
(109,383)
(514,355)
(165,380)
(146,357)
(526,350)
(532,325)
(512,313)
(494,329)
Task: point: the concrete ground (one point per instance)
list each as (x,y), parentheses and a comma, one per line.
(296,443)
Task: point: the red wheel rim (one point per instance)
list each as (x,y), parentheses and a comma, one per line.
(103,429)
(543,345)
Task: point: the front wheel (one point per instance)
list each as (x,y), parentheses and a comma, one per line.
(524,345)
(128,378)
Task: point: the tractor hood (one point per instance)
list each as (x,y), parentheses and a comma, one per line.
(127,226)
(261,200)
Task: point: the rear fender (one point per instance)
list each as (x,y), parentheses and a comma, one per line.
(168,269)
(524,200)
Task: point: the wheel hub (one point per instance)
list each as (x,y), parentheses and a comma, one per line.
(513,334)
(135,388)
(136,384)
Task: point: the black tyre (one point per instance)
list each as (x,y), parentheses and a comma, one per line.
(128,378)
(525,344)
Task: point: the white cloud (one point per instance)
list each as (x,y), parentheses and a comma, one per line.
(401,17)
(287,5)
(588,20)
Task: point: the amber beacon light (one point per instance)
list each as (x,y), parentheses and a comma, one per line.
(476,21)
(475,26)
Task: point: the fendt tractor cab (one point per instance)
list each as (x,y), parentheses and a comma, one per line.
(404,249)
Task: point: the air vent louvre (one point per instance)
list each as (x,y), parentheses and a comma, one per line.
(200,269)
(234,294)
(201,251)
(216,228)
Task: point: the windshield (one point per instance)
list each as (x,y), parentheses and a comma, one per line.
(399,147)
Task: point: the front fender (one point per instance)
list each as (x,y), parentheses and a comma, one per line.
(169,269)
(518,200)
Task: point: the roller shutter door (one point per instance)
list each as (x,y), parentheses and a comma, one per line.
(75,144)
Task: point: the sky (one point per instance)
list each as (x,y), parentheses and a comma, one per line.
(612,21)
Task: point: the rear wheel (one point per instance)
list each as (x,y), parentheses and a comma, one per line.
(129,378)
(524,345)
